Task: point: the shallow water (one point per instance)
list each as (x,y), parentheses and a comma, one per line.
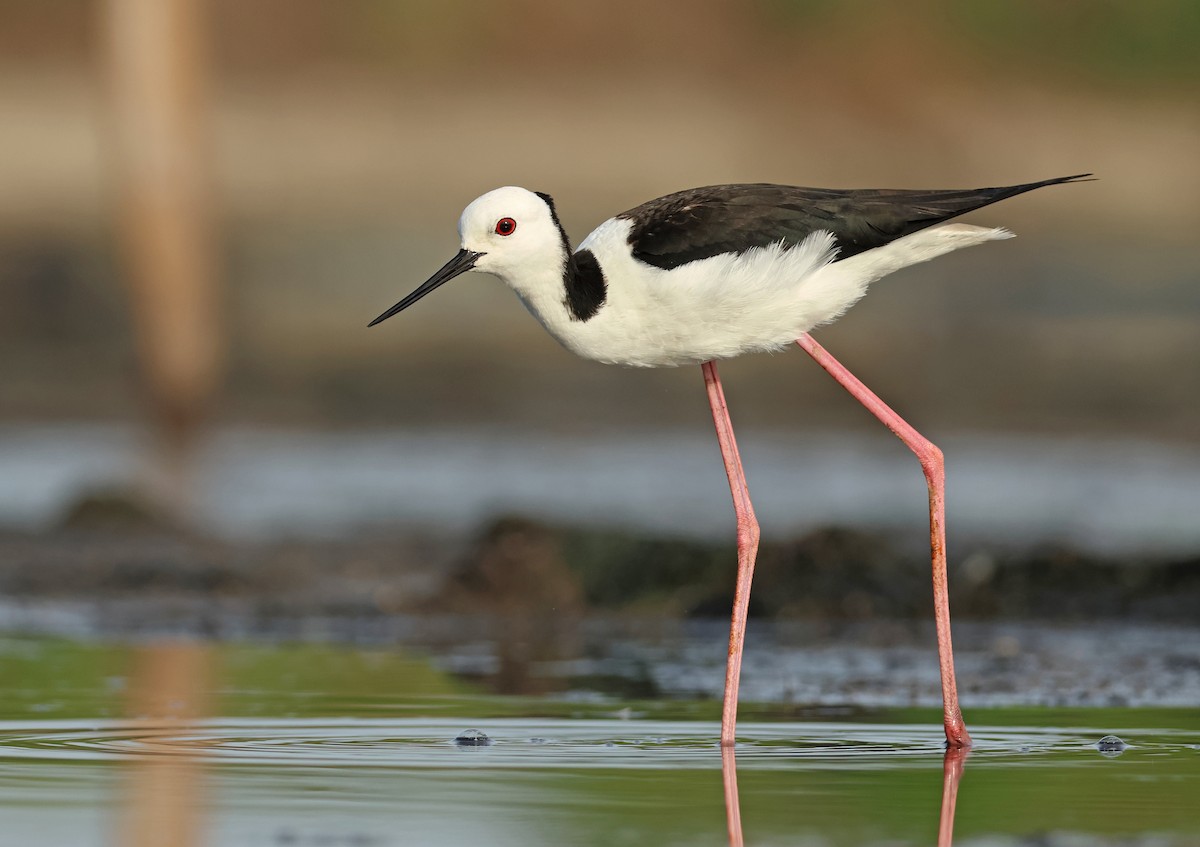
(274,745)
(1102,495)
(565,781)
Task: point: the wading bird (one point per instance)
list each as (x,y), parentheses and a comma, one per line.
(711,273)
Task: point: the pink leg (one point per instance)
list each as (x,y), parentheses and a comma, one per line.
(747,547)
(931,463)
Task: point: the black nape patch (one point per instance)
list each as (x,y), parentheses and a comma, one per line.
(586,287)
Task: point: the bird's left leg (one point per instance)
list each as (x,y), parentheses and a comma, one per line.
(747,547)
(932,465)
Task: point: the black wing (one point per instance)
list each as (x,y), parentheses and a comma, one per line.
(703,222)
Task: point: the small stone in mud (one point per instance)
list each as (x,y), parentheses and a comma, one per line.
(472,738)
(1111,744)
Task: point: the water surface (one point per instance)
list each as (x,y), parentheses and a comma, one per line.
(337,746)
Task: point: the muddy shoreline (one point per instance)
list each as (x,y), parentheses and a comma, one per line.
(131,580)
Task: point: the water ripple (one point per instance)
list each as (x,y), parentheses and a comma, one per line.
(532,743)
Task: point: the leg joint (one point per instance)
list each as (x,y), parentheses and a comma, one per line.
(933,461)
(747,530)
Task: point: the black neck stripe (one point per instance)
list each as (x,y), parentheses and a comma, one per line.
(583,278)
(586,287)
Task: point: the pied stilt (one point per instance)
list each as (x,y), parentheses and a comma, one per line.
(711,273)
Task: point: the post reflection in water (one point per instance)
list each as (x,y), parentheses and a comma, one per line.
(952,771)
(163,794)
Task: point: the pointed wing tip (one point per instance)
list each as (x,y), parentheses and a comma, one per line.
(1014,190)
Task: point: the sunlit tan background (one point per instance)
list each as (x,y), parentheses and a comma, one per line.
(255,181)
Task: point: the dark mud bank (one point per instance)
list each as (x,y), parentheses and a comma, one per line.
(140,573)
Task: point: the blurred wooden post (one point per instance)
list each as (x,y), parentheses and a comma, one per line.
(156,68)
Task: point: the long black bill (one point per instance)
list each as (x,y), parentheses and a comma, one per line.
(462,262)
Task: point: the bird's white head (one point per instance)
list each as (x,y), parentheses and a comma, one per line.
(510,232)
(511,229)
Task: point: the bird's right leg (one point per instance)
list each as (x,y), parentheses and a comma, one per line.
(747,547)
(933,467)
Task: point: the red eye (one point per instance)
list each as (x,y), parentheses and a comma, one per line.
(506,226)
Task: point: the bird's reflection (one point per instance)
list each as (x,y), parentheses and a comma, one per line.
(952,771)
(733,813)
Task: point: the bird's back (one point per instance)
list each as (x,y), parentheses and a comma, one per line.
(703,222)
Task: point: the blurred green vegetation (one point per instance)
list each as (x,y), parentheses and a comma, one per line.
(1106,40)
(58,678)
(1109,41)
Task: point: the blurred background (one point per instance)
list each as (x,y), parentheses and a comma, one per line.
(205,202)
(205,453)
